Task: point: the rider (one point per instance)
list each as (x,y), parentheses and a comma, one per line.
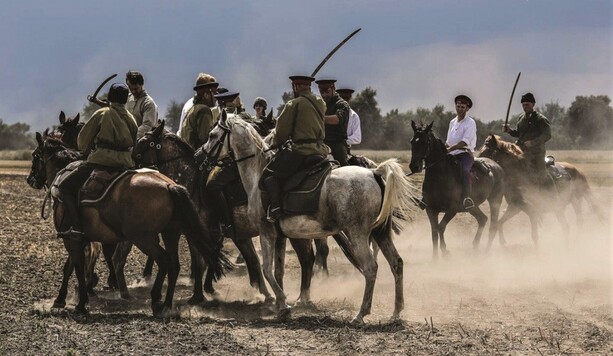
(461,141)
(140,104)
(202,78)
(263,124)
(533,131)
(337,117)
(300,134)
(106,140)
(200,118)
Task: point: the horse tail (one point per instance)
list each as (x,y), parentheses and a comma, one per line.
(398,194)
(345,245)
(196,233)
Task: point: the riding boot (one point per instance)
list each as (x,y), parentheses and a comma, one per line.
(467,201)
(273,188)
(224,213)
(70,227)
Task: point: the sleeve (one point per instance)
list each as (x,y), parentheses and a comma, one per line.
(470,134)
(150,116)
(85,140)
(514,133)
(545,129)
(204,117)
(187,130)
(449,132)
(284,124)
(354,131)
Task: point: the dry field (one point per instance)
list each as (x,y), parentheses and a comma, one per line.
(554,299)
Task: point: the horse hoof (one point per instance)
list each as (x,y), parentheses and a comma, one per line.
(125,295)
(284,314)
(358,320)
(195,300)
(157,308)
(269,300)
(395,319)
(80,310)
(58,304)
(304,304)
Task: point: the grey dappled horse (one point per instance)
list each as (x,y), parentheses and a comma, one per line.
(343,190)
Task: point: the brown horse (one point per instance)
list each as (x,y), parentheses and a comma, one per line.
(125,214)
(522,194)
(175,158)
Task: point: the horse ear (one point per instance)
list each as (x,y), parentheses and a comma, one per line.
(77,118)
(269,116)
(429,127)
(159,128)
(413,125)
(46,133)
(62,117)
(39,138)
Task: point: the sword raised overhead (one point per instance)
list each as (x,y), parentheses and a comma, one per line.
(506,120)
(334,51)
(94,98)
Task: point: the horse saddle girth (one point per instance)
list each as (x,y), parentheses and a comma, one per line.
(302,190)
(100,182)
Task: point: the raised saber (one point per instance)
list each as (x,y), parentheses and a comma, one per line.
(334,51)
(94,98)
(506,120)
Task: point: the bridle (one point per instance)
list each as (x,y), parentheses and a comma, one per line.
(155,144)
(428,142)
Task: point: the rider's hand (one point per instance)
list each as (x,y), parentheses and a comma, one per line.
(505,128)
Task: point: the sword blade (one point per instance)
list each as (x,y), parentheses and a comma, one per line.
(506,120)
(334,51)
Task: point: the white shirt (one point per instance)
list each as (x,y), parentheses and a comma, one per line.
(464,130)
(188,105)
(354,132)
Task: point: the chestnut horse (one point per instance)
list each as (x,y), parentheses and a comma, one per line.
(125,215)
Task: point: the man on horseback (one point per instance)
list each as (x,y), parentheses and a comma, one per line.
(299,135)
(533,131)
(140,104)
(263,123)
(106,140)
(354,132)
(200,118)
(461,141)
(202,78)
(336,119)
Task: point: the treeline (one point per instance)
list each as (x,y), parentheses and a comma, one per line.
(586,124)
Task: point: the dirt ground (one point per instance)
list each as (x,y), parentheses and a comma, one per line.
(554,299)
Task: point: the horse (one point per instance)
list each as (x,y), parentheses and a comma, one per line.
(377,192)
(125,215)
(442,187)
(524,195)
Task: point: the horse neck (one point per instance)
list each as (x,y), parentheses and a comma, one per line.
(183,169)
(437,150)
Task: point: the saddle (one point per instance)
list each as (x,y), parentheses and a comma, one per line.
(555,170)
(358,160)
(97,186)
(302,190)
(479,166)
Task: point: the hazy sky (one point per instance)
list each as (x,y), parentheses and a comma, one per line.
(414,53)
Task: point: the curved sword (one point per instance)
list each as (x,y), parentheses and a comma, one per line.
(94,98)
(334,51)
(506,120)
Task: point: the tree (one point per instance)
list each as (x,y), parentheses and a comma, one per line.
(90,108)
(173,115)
(590,121)
(366,106)
(287,96)
(15,136)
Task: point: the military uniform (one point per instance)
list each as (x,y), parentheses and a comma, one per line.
(107,140)
(336,135)
(198,123)
(534,127)
(144,110)
(302,121)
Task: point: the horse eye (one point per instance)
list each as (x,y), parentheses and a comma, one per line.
(151,144)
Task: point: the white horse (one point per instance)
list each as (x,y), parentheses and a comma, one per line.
(354,200)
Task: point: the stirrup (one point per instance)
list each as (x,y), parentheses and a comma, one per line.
(420,203)
(71,234)
(468,203)
(273,214)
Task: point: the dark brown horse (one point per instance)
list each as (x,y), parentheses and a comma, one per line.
(175,158)
(522,194)
(125,214)
(442,188)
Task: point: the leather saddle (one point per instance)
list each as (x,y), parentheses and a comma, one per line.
(302,190)
(479,169)
(555,170)
(100,182)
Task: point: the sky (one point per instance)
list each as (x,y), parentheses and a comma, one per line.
(413,53)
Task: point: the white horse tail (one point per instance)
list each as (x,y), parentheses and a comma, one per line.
(399,195)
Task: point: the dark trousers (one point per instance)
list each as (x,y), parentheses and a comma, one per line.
(535,166)
(69,194)
(466,161)
(283,165)
(339,152)
(218,180)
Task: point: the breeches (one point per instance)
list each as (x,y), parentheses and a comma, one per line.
(466,160)
(339,152)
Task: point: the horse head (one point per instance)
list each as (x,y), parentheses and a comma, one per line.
(421,146)
(68,130)
(500,151)
(37,177)
(147,149)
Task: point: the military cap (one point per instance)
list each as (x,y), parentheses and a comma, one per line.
(260,101)
(528,98)
(222,90)
(301,79)
(211,85)
(118,93)
(464,99)
(226,97)
(345,93)
(325,83)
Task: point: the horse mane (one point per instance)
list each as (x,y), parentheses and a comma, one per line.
(236,120)
(63,154)
(508,147)
(179,141)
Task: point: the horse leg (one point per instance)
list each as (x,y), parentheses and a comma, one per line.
(171,243)
(578,208)
(433,218)
(512,210)
(481,220)
(561,217)
(306,257)
(280,259)
(148,269)
(494,212)
(60,301)
(321,256)
(367,264)
(119,262)
(267,242)
(256,278)
(108,250)
(150,246)
(92,252)
(77,256)
(388,249)
(442,226)
(197,266)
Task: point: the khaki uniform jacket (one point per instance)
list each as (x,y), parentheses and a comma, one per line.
(307,124)
(198,123)
(108,137)
(145,112)
(339,107)
(534,127)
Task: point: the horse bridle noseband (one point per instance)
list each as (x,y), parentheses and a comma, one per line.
(155,144)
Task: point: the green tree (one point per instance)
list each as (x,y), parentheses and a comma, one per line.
(590,121)
(90,108)
(366,106)
(15,136)
(173,115)
(287,96)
